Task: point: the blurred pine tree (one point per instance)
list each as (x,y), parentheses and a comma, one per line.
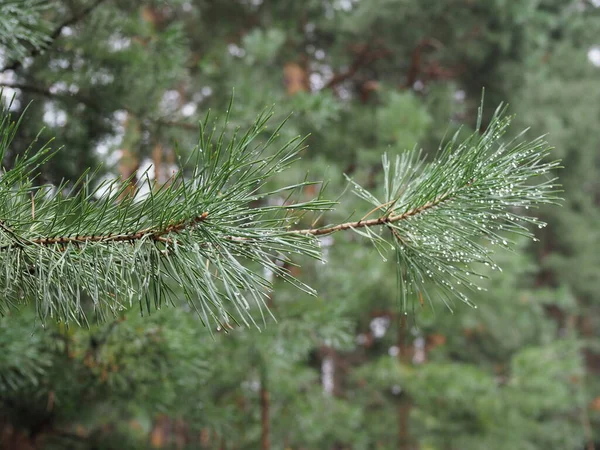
(123,83)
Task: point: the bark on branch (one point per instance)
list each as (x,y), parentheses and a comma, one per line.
(149,233)
(383,220)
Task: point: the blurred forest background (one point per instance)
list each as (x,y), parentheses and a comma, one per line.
(124,82)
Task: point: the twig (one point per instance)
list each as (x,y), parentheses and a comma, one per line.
(45,92)
(377,208)
(30,88)
(415,60)
(366,56)
(374,222)
(152,233)
(158,235)
(10,231)
(176,124)
(68,96)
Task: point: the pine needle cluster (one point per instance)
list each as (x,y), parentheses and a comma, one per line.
(212,234)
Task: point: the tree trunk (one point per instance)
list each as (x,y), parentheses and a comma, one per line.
(264,412)
(404,405)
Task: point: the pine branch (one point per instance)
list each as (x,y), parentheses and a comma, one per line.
(441,214)
(202,235)
(146,233)
(365,55)
(89,242)
(67,97)
(46,92)
(182,225)
(29,88)
(177,124)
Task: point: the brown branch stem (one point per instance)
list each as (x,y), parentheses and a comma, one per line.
(365,56)
(9,230)
(77,97)
(416,57)
(29,88)
(158,234)
(265,403)
(175,124)
(383,220)
(151,233)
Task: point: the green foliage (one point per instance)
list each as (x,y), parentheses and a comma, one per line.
(199,233)
(403,121)
(125,80)
(24,362)
(263,46)
(438,213)
(22,27)
(115,248)
(99,365)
